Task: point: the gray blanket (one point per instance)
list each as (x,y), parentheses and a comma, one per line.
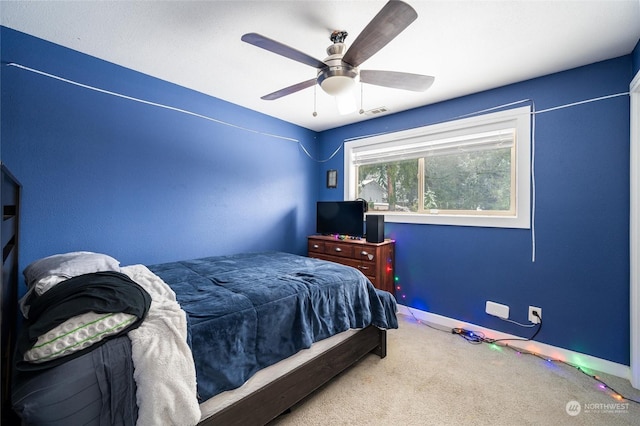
(96,388)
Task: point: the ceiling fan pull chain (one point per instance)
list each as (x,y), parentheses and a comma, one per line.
(361,99)
(315,113)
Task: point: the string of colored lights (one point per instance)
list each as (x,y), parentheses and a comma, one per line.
(477,337)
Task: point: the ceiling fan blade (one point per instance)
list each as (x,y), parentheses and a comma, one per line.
(289,90)
(392,19)
(282,49)
(397,80)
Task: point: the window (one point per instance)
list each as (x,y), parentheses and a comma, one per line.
(472,172)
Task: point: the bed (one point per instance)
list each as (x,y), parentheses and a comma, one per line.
(257,332)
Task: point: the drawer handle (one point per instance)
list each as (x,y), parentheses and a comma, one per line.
(338,249)
(365,268)
(315,246)
(368,255)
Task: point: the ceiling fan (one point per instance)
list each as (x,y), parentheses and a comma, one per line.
(338,73)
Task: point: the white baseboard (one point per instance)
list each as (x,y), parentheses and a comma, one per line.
(574,358)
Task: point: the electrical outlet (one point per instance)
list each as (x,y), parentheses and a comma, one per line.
(533,318)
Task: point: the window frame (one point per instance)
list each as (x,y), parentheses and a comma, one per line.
(518,119)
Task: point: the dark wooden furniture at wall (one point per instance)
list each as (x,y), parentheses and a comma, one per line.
(10,204)
(375,260)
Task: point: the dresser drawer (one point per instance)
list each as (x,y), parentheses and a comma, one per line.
(341,260)
(338,249)
(367,268)
(365,255)
(315,247)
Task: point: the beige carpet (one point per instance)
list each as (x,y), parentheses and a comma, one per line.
(434,378)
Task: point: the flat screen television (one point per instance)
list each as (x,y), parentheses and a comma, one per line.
(340,217)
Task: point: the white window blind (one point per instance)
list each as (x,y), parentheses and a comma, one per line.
(424,146)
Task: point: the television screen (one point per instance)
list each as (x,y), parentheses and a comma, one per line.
(340,217)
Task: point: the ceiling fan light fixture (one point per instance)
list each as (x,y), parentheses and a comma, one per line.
(338,80)
(338,85)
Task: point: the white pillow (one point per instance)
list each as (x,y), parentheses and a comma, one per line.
(77,333)
(69,265)
(41,275)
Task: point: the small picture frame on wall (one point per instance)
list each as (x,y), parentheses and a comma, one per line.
(332,178)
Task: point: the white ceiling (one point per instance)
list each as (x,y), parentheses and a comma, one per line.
(468,46)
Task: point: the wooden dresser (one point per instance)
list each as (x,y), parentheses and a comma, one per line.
(375,260)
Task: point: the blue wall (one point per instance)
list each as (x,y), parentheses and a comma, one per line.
(580,277)
(142,183)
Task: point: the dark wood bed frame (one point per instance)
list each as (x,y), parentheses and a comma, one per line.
(10,202)
(275,398)
(258,408)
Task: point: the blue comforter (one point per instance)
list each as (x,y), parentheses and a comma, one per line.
(248,311)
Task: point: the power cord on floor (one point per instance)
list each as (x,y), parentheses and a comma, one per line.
(535,314)
(474,337)
(477,337)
